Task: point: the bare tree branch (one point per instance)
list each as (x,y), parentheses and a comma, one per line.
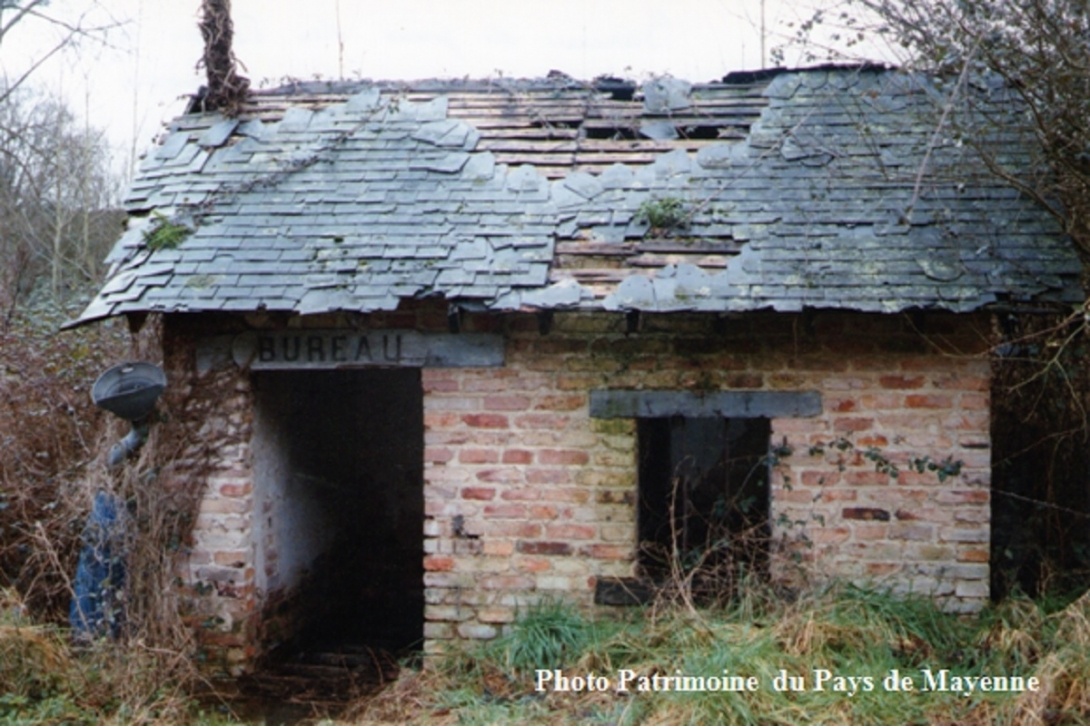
(27,12)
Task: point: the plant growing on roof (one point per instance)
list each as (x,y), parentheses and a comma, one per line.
(664,214)
(164,233)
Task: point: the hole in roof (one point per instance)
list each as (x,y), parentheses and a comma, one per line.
(616,133)
(700,132)
(747,77)
(618,88)
(565,129)
(556,124)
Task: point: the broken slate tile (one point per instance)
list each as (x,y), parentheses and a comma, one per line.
(172,146)
(616,176)
(665,94)
(524,178)
(323,300)
(537,275)
(585,185)
(563,294)
(564,198)
(635,292)
(477,249)
(119,283)
(368,99)
(666,295)
(295,118)
(722,156)
(444,133)
(447,163)
(672,164)
(942,268)
(659,130)
(218,133)
(610,233)
(97,308)
(784,86)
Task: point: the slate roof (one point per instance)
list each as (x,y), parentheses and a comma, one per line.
(826,188)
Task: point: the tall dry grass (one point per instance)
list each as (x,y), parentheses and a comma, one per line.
(54,442)
(44,679)
(50,433)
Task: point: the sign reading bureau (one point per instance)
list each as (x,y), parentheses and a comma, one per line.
(335,349)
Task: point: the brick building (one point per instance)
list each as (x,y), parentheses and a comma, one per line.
(442,349)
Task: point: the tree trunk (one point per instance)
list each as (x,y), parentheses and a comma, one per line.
(226,88)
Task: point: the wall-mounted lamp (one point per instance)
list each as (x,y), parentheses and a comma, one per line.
(130,391)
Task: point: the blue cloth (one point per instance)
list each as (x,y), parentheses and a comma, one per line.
(97,607)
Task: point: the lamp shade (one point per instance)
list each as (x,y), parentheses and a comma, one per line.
(129,390)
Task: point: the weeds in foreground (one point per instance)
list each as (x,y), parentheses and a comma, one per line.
(841,632)
(45,680)
(49,434)
(54,442)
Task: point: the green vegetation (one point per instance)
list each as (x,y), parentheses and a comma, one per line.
(44,680)
(846,640)
(843,632)
(164,234)
(664,214)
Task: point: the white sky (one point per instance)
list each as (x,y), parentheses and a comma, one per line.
(132,86)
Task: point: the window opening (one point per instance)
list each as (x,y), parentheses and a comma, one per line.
(704,501)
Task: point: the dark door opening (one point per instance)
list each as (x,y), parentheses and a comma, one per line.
(704,500)
(340,498)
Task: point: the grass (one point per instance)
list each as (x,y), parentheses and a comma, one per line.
(846,632)
(45,680)
(54,440)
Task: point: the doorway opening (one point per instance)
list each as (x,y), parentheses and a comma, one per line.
(704,500)
(339,498)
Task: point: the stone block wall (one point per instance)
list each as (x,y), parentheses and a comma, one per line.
(205,449)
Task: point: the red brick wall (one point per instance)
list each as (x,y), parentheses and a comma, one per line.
(528,496)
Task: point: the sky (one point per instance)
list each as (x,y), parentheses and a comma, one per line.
(129,85)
